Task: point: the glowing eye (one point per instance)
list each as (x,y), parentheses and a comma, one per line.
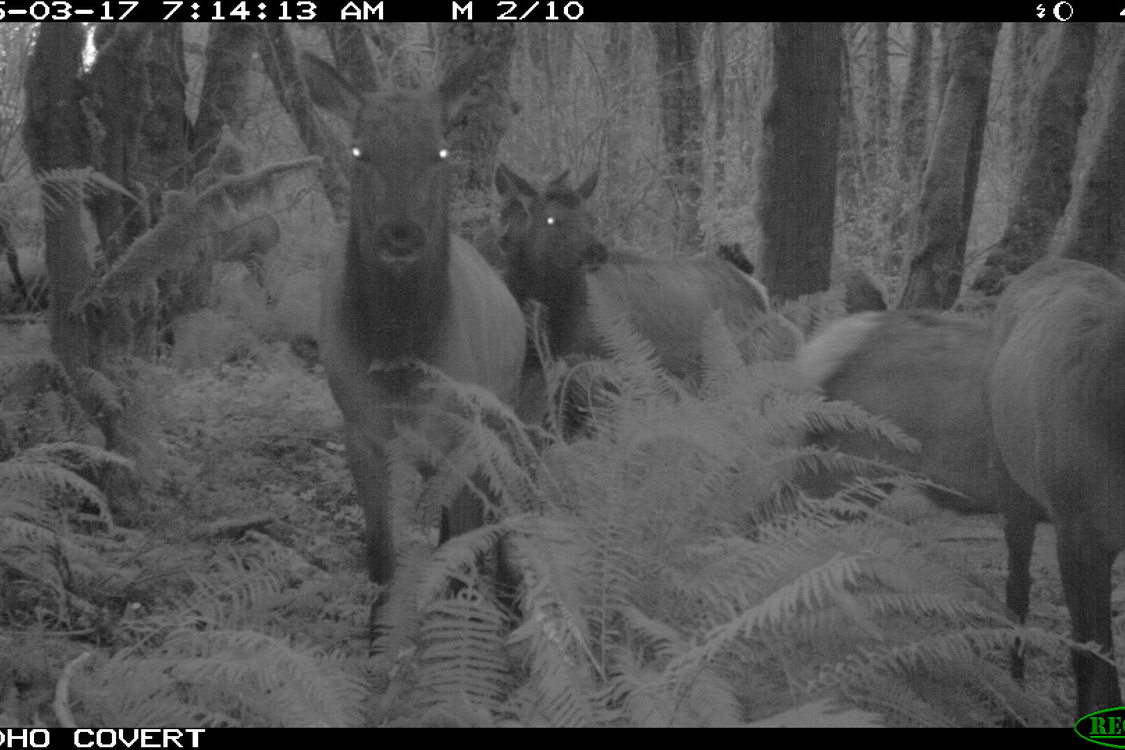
(551,221)
(356,152)
(443,153)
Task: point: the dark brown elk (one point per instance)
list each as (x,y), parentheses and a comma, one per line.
(401,289)
(925,373)
(1056,399)
(555,258)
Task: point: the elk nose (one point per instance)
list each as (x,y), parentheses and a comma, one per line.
(401,238)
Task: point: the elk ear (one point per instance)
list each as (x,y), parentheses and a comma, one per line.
(458,82)
(511,186)
(586,189)
(328,89)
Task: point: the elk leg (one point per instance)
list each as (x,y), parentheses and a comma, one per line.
(1085,566)
(1019,533)
(466,513)
(368,464)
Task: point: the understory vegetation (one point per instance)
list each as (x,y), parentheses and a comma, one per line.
(668,571)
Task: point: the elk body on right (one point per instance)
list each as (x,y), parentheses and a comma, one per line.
(1056,400)
(1025,415)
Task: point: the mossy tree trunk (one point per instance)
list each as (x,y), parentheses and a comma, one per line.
(940,230)
(1048,157)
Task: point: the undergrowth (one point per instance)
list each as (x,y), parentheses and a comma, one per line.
(667,570)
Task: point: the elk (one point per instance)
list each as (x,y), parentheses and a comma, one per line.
(555,258)
(1056,401)
(924,372)
(402,290)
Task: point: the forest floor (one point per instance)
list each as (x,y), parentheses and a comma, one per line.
(247,457)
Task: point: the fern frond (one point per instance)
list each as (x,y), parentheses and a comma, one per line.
(78,456)
(551,553)
(666,641)
(820,416)
(961,645)
(227,678)
(232,596)
(634,358)
(103,395)
(297,687)
(807,592)
(462,667)
(552,598)
(217,602)
(480,436)
(454,557)
(723,370)
(821,713)
(565,691)
(613,561)
(35,554)
(44,473)
(811,460)
(73,185)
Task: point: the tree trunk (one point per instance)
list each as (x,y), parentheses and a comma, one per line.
(550,47)
(55,138)
(879,91)
(119,100)
(162,162)
(166,130)
(484,118)
(850,178)
(915,103)
(945,208)
(349,53)
(681,118)
(800,130)
(719,102)
(11,259)
(615,190)
(909,156)
(1022,64)
(1097,233)
(1044,182)
(941,70)
(390,40)
(276,51)
(226,81)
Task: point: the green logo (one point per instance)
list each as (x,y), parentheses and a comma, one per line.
(1105,727)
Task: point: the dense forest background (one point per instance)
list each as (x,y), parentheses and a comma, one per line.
(178,541)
